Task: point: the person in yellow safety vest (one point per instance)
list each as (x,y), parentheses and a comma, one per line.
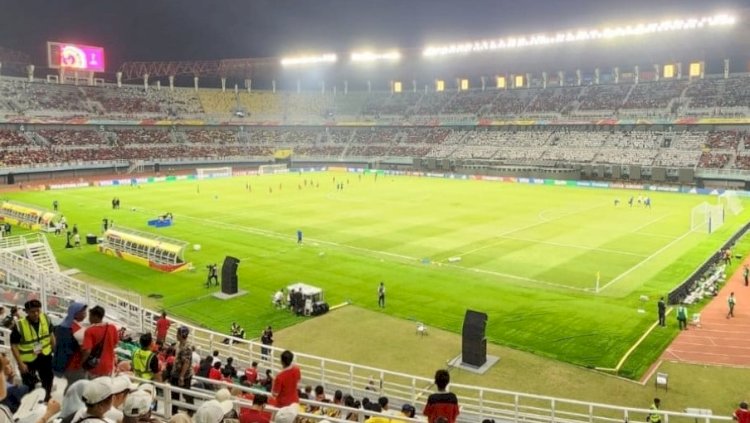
(32,341)
(145,363)
(654,416)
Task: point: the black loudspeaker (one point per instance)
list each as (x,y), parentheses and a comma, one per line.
(11,179)
(157,167)
(229,275)
(319,308)
(474,345)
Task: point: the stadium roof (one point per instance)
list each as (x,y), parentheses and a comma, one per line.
(189,32)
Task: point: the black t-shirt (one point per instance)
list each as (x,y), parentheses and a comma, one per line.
(267,338)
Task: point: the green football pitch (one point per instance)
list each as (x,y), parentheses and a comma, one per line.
(529,256)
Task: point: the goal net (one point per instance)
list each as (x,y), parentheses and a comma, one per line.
(274,168)
(731,202)
(706,218)
(213,172)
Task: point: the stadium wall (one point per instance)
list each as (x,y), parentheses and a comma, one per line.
(681,291)
(35,178)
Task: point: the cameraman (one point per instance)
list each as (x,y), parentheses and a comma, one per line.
(213,274)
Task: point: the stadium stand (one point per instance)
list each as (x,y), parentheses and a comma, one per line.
(602,100)
(36,144)
(217,102)
(262,104)
(552,100)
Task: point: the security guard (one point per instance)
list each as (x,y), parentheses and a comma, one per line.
(654,416)
(32,341)
(145,363)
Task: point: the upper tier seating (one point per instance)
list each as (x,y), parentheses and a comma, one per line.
(44,146)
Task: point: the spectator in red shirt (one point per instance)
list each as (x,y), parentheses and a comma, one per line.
(99,336)
(162,327)
(251,374)
(215,372)
(256,413)
(742,415)
(284,390)
(442,403)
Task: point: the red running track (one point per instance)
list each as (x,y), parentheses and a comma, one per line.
(718,340)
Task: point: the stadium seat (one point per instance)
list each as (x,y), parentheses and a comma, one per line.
(662,379)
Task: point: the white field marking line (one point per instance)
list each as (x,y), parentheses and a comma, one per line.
(654,254)
(580,247)
(510,231)
(271,234)
(651,222)
(509,276)
(656,235)
(409,259)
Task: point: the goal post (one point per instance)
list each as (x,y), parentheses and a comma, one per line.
(213,172)
(273,169)
(706,218)
(731,202)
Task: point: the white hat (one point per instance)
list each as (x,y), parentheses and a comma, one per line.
(72,400)
(223,394)
(212,411)
(29,407)
(121,384)
(97,390)
(286,414)
(148,388)
(137,404)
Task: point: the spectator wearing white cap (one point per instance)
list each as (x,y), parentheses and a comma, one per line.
(97,396)
(73,399)
(121,387)
(137,408)
(212,411)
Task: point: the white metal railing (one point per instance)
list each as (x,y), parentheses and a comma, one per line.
(25,278)
(21,240)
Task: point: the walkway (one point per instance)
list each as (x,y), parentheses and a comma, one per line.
(719,341)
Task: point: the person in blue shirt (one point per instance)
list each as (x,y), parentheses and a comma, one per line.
(299,236)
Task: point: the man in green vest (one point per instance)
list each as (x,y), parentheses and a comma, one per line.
(654,416)
(145,363)
(32,341)
(682,316)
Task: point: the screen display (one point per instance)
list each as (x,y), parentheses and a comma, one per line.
(76,57)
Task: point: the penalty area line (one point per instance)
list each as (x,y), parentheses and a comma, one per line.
(644,261)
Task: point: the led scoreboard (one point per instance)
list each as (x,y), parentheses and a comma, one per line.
(75,57)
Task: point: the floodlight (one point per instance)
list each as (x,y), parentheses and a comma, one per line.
(570,36)
(368,56)
(306,60)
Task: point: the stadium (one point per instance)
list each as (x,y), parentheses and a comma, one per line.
(517,210)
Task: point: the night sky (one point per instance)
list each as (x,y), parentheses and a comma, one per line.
(133,30)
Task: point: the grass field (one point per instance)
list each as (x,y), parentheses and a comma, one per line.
(529,254)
